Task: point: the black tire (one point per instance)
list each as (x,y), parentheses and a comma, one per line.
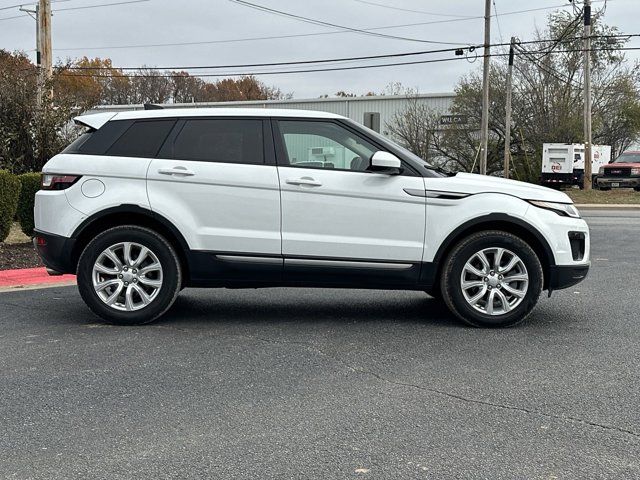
(166,255)
(434,292)
(605,189)
(450,283)
(637,189)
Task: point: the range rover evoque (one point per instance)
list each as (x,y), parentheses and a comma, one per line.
(145,203)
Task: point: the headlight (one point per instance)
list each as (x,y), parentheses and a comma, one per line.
(635,171)
(564,209)
(601,171)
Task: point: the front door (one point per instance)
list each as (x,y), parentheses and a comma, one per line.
(341,222)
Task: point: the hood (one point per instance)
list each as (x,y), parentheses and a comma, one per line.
(622,165)
(472,183)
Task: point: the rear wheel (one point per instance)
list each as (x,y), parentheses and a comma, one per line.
(129,275)
(492,279)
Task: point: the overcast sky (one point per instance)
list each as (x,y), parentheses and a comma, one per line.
(78,32)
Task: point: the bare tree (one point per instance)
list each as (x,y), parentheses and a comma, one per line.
(415,127)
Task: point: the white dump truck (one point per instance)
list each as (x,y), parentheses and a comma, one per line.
(563,163)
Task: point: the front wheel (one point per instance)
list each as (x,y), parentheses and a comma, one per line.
(492,279)
(129,275)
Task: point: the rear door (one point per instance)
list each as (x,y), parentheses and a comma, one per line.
(341,222)
(217,182)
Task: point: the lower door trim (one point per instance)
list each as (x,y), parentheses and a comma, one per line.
(317,262)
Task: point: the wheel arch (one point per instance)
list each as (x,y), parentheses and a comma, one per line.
(129,215)
(503,222)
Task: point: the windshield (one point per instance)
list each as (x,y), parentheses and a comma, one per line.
(628,158)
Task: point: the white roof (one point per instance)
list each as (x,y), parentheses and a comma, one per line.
(96,120)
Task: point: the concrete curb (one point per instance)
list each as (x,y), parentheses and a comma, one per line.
(32,278)
(609,206)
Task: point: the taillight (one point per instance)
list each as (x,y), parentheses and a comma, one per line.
(52,181)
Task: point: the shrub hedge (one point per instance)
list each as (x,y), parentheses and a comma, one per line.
(9,193)
(30,185)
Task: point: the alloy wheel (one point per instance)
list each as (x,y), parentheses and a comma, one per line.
(127,276)
(494,281)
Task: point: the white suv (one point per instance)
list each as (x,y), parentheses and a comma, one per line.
(146,203)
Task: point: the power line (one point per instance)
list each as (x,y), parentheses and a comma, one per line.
(326,60)
(270,37)
(382,5)
(313,21)
(273,64)
(279,37)
(18,5)
(83,7)
(99,5)
(312,70)
(495,9)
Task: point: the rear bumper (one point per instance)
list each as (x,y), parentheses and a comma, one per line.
(565,276)
(55,251)
(624,182)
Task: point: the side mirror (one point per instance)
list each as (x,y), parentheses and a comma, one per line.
(385,162)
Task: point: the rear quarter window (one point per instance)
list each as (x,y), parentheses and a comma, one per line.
(96,142)
(124,138)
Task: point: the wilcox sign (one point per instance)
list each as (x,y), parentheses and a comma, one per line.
(453,120)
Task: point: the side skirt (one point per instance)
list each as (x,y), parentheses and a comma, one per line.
(250,270)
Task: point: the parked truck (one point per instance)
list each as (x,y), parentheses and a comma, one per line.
(563,163)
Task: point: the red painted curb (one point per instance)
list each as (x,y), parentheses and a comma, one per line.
(30,276)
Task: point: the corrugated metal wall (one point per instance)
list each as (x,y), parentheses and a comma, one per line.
(354,108)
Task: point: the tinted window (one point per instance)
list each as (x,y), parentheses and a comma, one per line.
(313,144)
(96,142)
(74,146)
(143,139)
(220,140)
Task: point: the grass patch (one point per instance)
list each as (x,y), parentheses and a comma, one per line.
(621,195)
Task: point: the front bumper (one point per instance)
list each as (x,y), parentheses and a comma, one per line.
(565,276)
(624,182)
(55,251)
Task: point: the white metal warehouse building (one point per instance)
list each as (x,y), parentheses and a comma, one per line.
(375,112)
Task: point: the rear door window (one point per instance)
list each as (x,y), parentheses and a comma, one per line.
(220,140)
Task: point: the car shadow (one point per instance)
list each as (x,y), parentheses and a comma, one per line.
(266,308)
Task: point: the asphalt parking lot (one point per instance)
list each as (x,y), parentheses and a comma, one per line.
(285,383)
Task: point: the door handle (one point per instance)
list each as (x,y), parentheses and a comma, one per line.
(309,181)
(179,171)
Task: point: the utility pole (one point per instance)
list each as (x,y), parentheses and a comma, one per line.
(484,122)
(587,182)
(507,121)
(43,37)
